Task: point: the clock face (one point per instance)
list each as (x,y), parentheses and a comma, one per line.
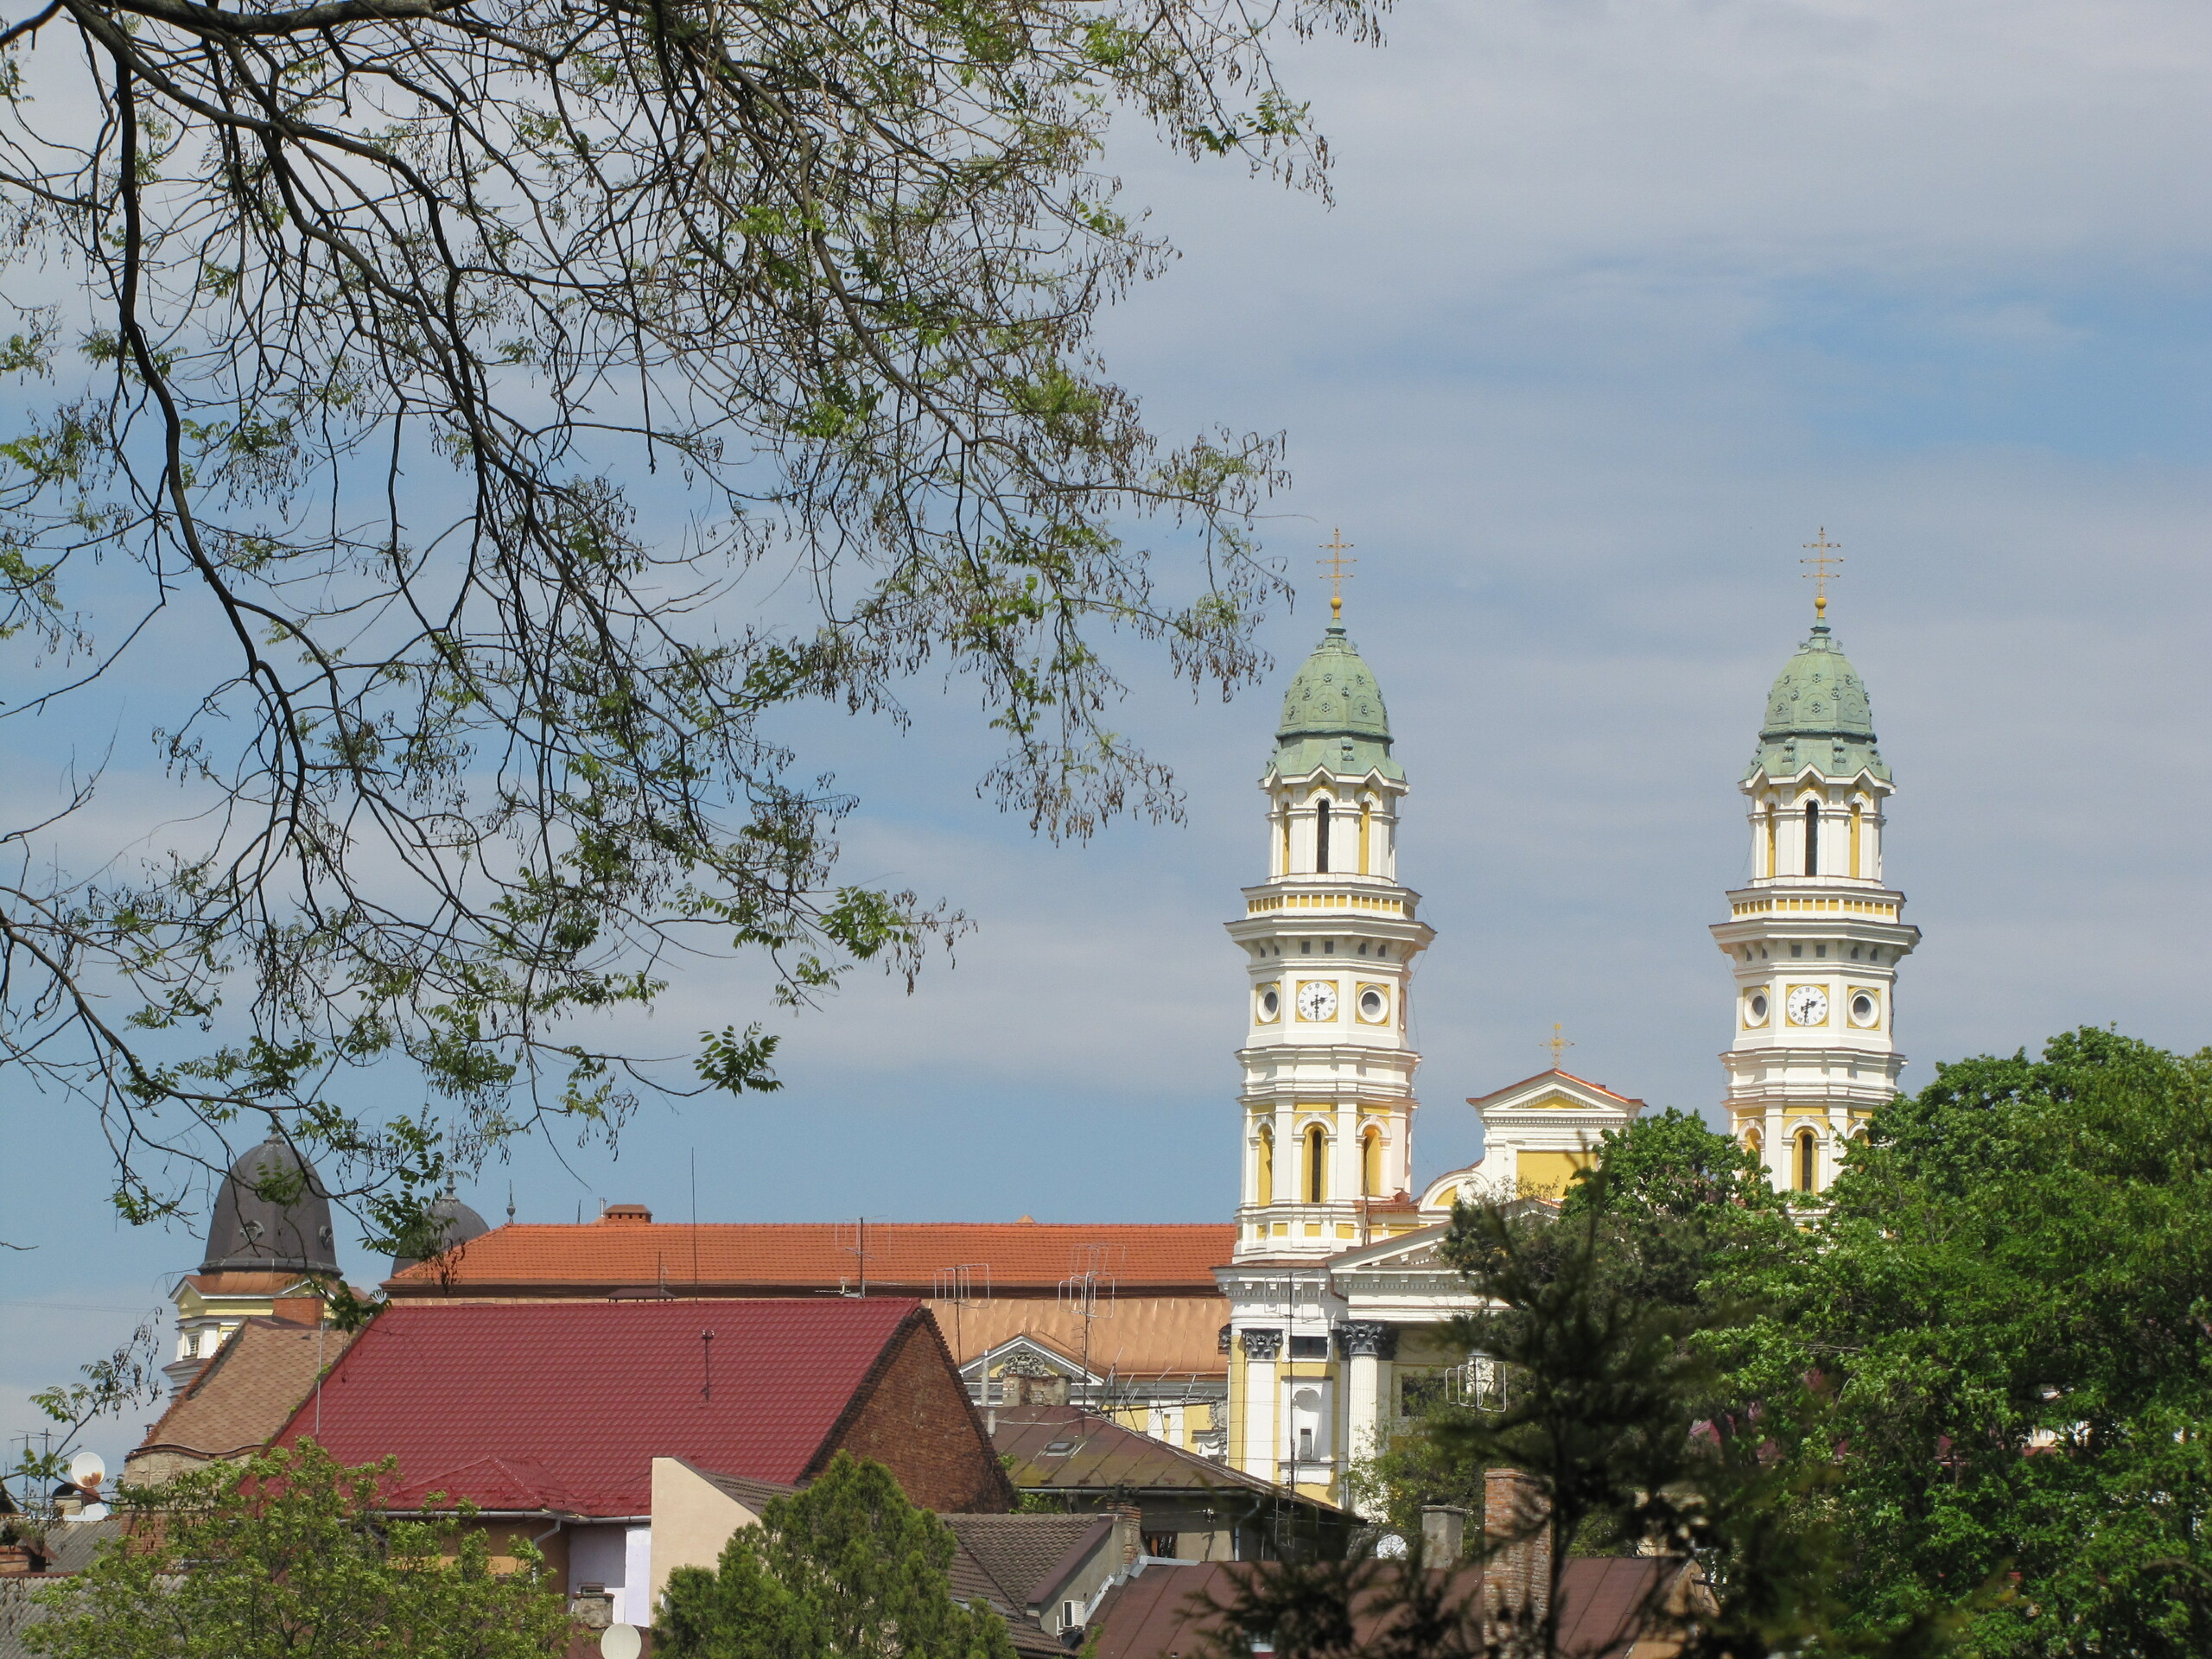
(1809,1006)
(1317,1000)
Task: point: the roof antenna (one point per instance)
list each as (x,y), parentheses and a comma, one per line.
(707,1365)
(510,1203)
(694,1223)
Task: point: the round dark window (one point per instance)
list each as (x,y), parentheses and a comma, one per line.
(1370,1005)
(1270,1003)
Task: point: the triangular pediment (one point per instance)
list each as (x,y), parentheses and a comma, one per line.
(1414,1252)
(1556,1091)
(1025,1354)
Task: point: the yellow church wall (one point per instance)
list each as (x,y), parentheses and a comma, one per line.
(1547,1175)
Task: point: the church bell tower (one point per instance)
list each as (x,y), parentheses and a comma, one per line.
(1815,936)
(1329,939)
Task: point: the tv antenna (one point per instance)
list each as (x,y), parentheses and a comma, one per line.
(853,1240)
(1087,1294)
(955,1288)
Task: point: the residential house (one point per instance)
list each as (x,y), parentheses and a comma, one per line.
(1191,1508)
(548,1415)
(1131,1315)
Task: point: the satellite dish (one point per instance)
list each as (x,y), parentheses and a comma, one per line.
(619,1642)
(87,1469)
(94,1512)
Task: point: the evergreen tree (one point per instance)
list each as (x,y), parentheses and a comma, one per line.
(846,1569)
(287,1554)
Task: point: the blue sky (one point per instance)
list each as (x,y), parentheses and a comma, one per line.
(1617,304)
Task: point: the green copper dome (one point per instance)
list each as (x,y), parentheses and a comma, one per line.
(1332,715)
(1818,715)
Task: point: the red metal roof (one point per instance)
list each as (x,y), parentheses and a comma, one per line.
(564,1406)
(907,1257)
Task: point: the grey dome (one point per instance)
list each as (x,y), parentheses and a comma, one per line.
(253,1232)
(455,1224)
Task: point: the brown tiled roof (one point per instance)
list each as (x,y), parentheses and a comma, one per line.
(753,1259)
(1027,1555)
(753,1494)
(1162,1612)
(1067,1448)
(241,1397)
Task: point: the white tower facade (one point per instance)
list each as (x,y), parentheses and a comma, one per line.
(1329,939)
(1815,936)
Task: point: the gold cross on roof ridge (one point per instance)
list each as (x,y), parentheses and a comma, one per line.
(1824,554)
(1333,569)
(1559,1042)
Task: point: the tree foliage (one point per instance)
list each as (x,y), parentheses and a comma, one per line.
(2009,1301)
(287,1553)
(846,1569)
(472,424)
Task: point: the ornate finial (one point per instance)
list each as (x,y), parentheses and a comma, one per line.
(1559,1042)
(1333,569)
(1825,553)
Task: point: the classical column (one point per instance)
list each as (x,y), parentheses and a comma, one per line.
(1365,1345)
(1263,1403)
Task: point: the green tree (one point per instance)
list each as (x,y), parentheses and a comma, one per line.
(1670,1215)
(288,1553)
(846,1569)
(2008,1299)
(368,319)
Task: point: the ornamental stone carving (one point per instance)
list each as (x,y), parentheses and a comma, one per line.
(1263,1344)
(1367,1339)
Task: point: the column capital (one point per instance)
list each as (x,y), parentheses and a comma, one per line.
(1263,1344)
(1367,1339)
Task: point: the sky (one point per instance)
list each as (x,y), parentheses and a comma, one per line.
(1617,305)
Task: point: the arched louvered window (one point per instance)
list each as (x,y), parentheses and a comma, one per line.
(1264,1187)
(1321,837)
(1812,837)
(1808,1159)
(1317,1150)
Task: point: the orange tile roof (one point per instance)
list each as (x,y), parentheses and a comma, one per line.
(1133,1336)
(751,1258)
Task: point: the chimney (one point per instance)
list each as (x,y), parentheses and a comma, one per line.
(1517,1547)
(1443,1534)
(1129,1533)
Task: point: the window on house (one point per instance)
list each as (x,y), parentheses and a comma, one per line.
(1306,1446)
(1309,1347)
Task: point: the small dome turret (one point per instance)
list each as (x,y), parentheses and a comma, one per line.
(1332,715)
(1817,716)
(452,1222)
(271,1216)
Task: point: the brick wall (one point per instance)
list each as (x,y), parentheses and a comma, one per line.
(914,1417)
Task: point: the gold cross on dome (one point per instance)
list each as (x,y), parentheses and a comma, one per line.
(1333,569)
(1824,554)
(1559,1042)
